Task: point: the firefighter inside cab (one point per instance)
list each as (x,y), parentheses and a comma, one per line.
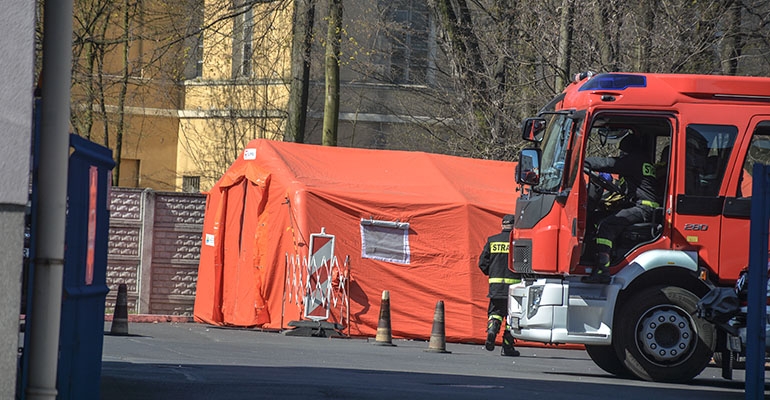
(633,201)
(493,262)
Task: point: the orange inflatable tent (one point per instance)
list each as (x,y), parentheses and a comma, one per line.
(261,214)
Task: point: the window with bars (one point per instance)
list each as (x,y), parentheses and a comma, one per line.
(191,184)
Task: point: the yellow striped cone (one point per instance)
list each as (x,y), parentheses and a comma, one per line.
(437,335)
(384,337)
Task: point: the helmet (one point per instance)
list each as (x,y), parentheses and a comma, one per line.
(508,219)
(629,144)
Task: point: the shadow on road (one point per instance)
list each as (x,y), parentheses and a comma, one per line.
(123,380)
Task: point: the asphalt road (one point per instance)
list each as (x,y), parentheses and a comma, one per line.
(195,361)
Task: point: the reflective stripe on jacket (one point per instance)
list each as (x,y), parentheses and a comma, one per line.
(493,262)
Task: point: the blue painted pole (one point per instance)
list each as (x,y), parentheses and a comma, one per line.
(757,283)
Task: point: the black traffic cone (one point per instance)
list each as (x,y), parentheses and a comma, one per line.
(437,335)
(120,316)
(384,337)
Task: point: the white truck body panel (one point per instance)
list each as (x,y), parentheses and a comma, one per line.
(566,310)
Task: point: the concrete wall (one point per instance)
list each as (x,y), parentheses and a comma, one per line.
(154,248)
(17,34)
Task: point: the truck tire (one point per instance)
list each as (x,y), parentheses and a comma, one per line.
(660,338)
(607,359)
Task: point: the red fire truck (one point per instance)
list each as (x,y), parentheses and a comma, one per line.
(703,134)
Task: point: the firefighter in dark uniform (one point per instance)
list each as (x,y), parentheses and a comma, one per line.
(636,167)
(493,262)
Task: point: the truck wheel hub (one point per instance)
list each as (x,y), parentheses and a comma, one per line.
(665,334)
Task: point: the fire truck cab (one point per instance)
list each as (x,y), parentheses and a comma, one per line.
(702,135)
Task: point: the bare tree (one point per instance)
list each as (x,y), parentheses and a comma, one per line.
(565,43)
(91,23)
(243,90)
(450,76)
(126,25)
(602,36)
(332,99)
(302,42)
(126,58)
(464,48)
(734,39)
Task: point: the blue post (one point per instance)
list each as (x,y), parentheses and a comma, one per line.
(757,283)
(85,271)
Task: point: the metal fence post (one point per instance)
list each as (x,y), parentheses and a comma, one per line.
(145,263)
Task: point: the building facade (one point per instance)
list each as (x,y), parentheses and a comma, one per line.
(222,75)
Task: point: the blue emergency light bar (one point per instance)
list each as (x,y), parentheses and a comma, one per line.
(614,82)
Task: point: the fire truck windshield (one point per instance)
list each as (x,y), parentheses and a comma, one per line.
(554,146)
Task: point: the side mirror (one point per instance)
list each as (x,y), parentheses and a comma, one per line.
(528,169)
(532,129)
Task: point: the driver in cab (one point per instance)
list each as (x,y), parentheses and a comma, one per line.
(636,168)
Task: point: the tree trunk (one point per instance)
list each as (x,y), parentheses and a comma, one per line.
(565,44)
(734,40)
(645,39)
(302,39)
(504,12)
(332,102)
(601,14)
(457,22)
(102,101)
(122,96)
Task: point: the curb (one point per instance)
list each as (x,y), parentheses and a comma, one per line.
(151,318)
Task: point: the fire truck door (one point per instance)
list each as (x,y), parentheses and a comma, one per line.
(734,253)
(699,208)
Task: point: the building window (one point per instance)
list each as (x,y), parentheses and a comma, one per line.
(191,184)
(243,41)
(247,50)
(199,56)
(411,35)
(193,41)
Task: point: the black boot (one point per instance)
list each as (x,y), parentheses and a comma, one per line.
(493,327)
(598,275)
(509,352)
(508,349)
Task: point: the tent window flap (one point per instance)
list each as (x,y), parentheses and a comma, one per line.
(385,241)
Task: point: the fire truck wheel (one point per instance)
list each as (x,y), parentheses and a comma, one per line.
(660,338)
(607,359)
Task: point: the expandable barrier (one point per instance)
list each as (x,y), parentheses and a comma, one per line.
(317,284)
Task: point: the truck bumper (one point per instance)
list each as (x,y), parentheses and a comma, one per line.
(562,310)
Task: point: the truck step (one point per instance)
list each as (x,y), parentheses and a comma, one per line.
(588,292)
